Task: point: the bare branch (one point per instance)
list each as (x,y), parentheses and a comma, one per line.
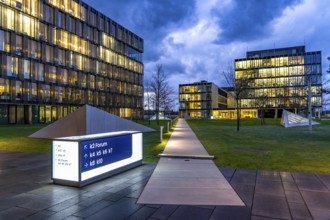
(161,89)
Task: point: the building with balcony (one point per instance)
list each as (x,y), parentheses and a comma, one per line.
(197,100)
(57,55)
(278,79)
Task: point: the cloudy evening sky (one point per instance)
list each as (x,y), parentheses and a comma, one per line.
(197,39)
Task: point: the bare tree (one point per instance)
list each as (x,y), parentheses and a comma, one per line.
(169,105)
(161,89)
(308,83)
(240,86)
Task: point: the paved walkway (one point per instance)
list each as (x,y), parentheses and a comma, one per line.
(187,181)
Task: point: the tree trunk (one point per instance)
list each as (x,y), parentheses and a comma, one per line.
(238,114)
(157,107)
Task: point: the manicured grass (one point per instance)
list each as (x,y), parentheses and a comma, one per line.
(267,147)
(15,138)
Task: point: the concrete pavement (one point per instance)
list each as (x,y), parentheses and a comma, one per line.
(187,180)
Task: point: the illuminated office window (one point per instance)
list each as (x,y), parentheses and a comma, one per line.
(10,65)
(71,60)
(26,69)
(75,43)
(92,82)
(18,90)
(34,92)
(79,61)
(102,98)
(93,50)
(60,94)
(40,72)
(90,97)
(49,51)
(63,77)
(4,41)
(19,45)
(34,71)
(54,113)
(34,7)
(28,26)
(60,57)
(34,49)
(47,93)
(83,13)
(83,79)
(83,47)
(51,35)
(48,114)
(75,9)
(65,39)
(4,89)
(74,78)
(52,74)
(8,18)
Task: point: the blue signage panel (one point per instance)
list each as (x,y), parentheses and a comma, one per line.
(100,152)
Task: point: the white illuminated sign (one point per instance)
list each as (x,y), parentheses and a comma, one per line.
(80,158)
(66,160)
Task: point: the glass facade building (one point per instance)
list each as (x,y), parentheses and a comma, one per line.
(57,55)
(197,100)
(278,79)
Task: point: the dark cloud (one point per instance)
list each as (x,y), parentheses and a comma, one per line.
(150,19)
(249,20)
(173,66)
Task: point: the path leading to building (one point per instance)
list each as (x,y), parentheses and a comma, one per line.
(183,178)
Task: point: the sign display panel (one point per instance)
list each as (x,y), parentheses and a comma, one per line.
(77,159)
(65,160)
(101,152)
(136,155)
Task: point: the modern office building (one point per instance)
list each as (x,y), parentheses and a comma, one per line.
(197,100)
(231,112)
(277,79)
(57,55)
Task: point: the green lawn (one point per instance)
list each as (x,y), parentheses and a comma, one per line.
(15,138)
(267,147)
